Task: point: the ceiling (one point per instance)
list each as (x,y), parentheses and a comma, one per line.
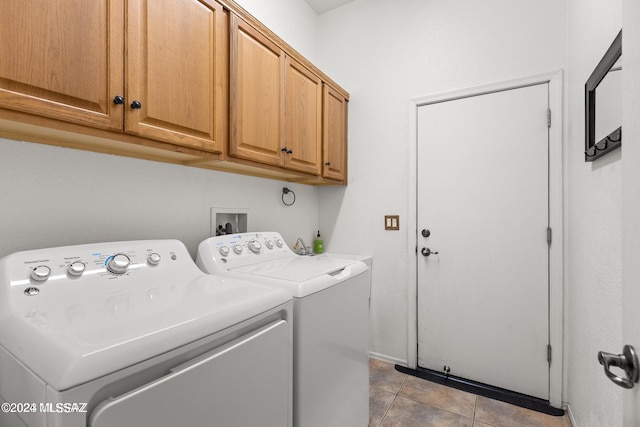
(322,6)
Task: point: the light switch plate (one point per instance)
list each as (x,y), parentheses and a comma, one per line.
(392,222)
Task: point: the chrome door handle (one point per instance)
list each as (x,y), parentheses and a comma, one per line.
(627,361)
(427,252)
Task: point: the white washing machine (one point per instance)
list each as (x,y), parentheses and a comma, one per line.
(331,321)
(134,334)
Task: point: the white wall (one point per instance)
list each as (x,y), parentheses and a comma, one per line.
(593,253)
(385,54)
(55,196)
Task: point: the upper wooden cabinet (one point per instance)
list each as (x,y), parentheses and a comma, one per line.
(176,69)
(194,82)
(303,118)
(256,95)
(276,104)
(63,59)
(334,135)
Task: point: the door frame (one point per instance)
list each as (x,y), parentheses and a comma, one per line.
(556,214)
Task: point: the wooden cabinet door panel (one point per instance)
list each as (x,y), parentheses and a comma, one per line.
(63,59)
(257,67)
(334,135)
(176,69)
(303,118)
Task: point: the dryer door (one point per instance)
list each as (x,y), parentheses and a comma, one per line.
(246,382)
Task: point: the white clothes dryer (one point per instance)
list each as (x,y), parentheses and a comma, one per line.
(331,321)
(133,333)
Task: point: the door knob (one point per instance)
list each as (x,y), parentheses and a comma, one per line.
(118,100)
(627,361)
(136,105)
(427,252)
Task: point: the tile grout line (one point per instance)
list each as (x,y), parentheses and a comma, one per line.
(387,411)
(394,399)
(475,407)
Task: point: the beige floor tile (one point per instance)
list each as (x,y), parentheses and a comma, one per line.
(500,414)
(383,376)
(409,413)
(422,403)
(379,403)
(444,397)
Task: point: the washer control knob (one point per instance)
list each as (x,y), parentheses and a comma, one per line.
(237,249)
(224,250)
(40,273)
(118,263)
(76,268)
(269,243)
(31,291)
(255,246)
(279,243)
(154,259)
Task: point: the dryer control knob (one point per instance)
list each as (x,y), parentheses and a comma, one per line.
(154,259)
(279,243)
(118,264)
(237,249)
(40,273)
(269,244)
(224,251)
(76,268)
(255,246)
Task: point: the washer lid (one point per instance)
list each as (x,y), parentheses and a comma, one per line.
(295,269)
(70,342)
(302,276)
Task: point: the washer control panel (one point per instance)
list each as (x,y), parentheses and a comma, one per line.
(235,250)
(32,272)
(246,243)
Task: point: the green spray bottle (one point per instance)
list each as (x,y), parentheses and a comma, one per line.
(318,244)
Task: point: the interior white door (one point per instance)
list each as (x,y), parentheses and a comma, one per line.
(630,201)
(483,196)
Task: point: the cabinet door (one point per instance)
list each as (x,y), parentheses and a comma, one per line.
(63,59)
(334,135)
(176,70)
(303,118)
(257,68)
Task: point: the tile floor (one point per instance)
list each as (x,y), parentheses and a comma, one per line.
(400,400)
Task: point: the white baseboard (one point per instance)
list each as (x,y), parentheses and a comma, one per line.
(573,420)
(389,359)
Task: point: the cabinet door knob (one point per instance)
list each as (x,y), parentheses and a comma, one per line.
(284,149)
(328,164)
(118,100)
(289,151)
(136,105)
